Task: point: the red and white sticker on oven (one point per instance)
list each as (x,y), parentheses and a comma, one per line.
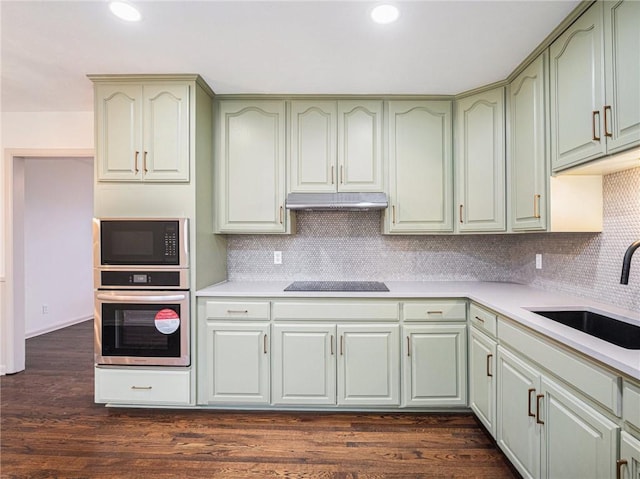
(167,321)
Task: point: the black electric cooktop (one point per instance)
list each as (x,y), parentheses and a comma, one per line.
(353,286)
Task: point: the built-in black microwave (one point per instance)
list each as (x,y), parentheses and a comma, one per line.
(141,253)
(136,243)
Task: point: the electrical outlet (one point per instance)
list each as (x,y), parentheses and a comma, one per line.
(45,309)
(277,257)
(538,261)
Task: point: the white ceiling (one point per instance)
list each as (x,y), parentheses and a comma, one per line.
(310,47)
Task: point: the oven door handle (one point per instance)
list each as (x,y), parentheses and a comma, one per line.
(141,299)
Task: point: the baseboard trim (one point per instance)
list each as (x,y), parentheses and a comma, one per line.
(55,327)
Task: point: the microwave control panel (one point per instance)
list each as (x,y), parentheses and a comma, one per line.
(140,278)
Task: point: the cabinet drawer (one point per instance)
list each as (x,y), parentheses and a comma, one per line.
(435,311)
(588,378)
(483,319)
(336,310)
(631,403)
(237,310)
(127,386)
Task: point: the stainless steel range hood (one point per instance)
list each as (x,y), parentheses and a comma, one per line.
(337,201)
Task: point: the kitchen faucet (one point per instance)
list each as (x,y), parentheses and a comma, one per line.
(626,263)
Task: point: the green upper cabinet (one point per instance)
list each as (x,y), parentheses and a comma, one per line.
(335,146)
(527,148)
(250,167)
(622,74)
(480,162)
(142,131)
(419,167)
(595,73)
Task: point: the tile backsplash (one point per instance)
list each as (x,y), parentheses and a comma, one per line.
(349,246)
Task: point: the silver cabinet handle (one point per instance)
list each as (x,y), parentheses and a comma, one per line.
(141,388)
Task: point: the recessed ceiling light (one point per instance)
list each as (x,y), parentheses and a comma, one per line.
(385,14)
(125,11)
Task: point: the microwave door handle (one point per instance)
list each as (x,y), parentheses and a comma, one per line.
(186,238)
(141,299)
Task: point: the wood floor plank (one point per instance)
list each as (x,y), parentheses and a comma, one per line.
(51,429)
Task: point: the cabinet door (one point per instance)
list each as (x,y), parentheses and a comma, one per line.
(237,363)
(304,364)
(360,146)
(482,378)
(528,148)
(251,167)
(480,162)
(577,91)
(312,157)
(119,132)
(420,167)
(434,365)
(622,63)
(577,441)
(517,431)
(369,365)
(629,463)
(166,132)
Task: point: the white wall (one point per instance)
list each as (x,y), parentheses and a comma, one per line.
(58,244)
(53,134)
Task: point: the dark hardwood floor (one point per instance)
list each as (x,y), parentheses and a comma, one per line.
(50,428)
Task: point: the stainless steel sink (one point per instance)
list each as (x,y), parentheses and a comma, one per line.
(608,329)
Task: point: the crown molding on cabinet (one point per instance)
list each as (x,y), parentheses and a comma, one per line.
(572,17)
(152,77)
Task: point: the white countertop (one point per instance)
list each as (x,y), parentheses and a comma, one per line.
(508,299)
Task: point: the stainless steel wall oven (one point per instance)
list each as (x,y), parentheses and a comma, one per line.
(142,298)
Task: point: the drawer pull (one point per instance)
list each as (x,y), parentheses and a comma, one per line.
(265,344)
(480,319)
(144,162)
(538,420)
(237,311)
(142,388)
(489,356)
(460,214)
(619,464)
(434,312)
(529,413)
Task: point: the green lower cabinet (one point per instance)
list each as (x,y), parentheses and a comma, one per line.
(237,364)
(546,431)
(304,364)
(482,378)
(577,441)
(518,433)
(368,365)
(327,364)
(628,466)
(434,365)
